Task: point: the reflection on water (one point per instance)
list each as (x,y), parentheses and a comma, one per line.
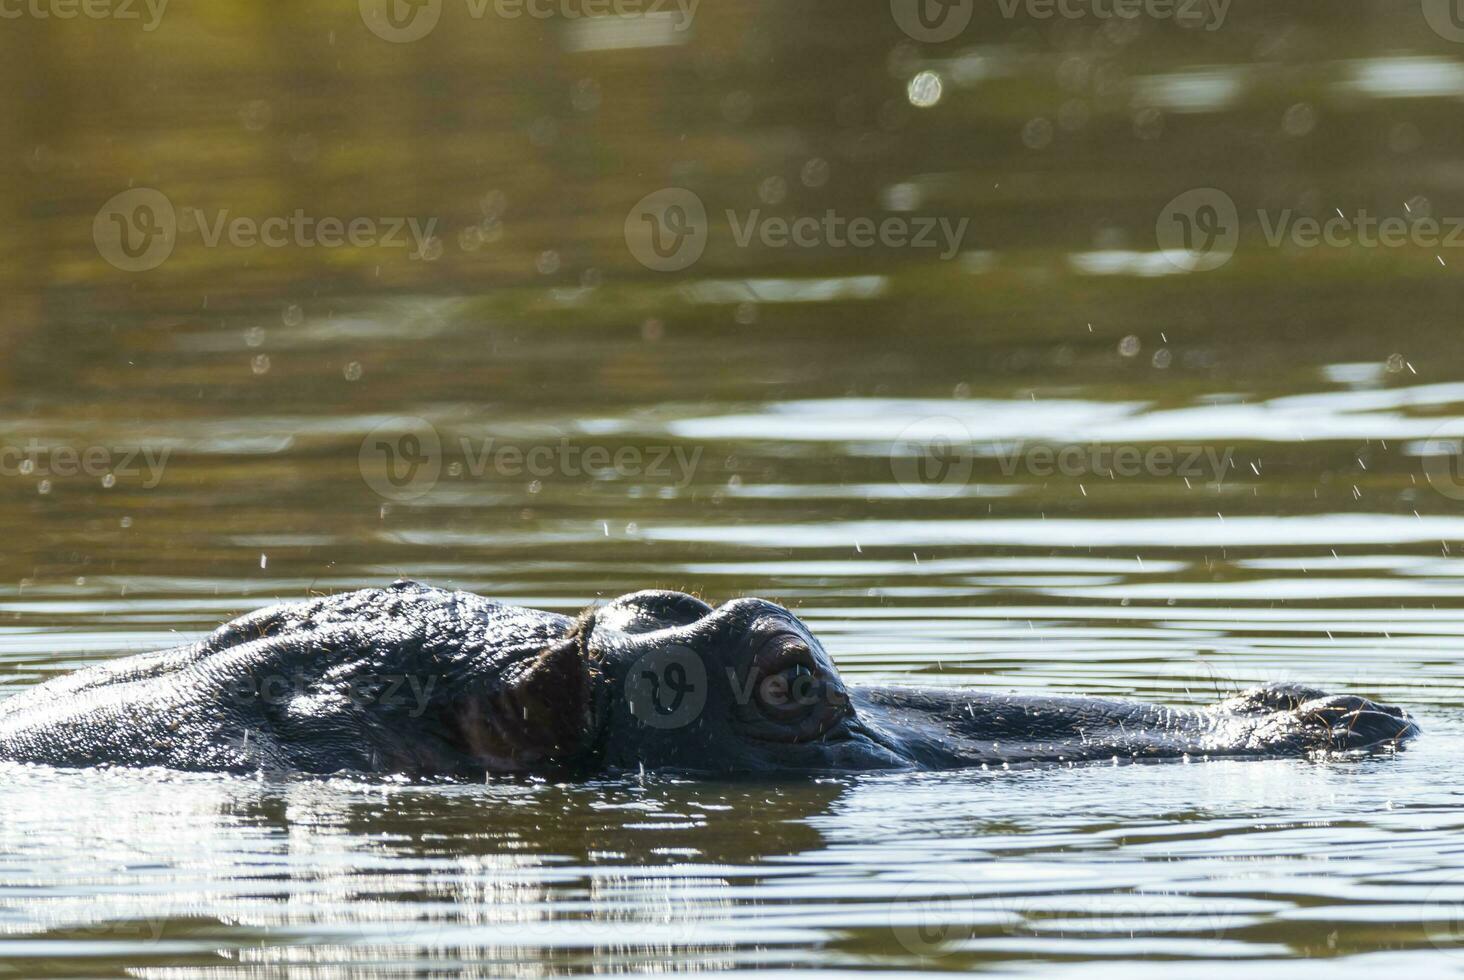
(1058,461)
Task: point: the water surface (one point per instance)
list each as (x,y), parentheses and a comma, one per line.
(922,457)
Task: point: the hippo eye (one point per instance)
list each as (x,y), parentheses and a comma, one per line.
(791,693)
(794,697)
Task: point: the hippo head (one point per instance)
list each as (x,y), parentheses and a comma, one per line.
(743,687)
(670,683)
(663,681)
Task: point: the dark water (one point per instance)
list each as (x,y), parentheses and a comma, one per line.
(933,460)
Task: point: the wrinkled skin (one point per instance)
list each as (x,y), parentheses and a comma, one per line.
(423,682)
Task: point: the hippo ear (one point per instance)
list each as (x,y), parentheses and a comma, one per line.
(543,711)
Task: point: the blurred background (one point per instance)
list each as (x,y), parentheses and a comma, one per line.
(298,297)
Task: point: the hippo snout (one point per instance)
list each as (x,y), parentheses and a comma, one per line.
(1349,723)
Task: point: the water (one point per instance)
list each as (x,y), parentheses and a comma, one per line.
(1054,463)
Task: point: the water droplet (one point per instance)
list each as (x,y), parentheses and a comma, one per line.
(44,487)
(1037,134)
(109,481)
(774,190)
(254,337)
(548,263)
(1129,346)
(293,315)
(260,364)
(125,522)
(353,371)
(925,90)
(1299,120)
(815,173)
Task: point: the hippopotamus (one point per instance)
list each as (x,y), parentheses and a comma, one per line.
(420,682)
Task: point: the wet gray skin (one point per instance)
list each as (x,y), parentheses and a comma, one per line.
(427,683)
